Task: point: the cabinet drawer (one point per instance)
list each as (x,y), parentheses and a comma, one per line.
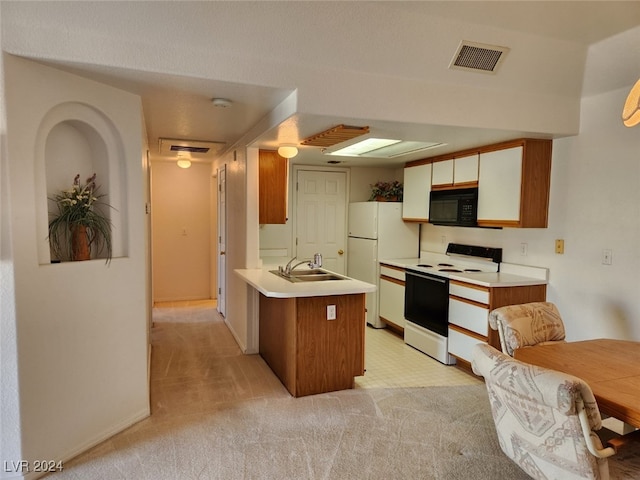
(461,345)
(469,316)
(480,295)
(392,271)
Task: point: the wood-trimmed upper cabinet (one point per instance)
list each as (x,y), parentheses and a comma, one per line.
(456,172)
(513,184)
(415,197)
(442,175)
(465,170)
(273,184)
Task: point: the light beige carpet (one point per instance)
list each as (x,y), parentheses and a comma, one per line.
(218,414)
(417,433)
(442,433)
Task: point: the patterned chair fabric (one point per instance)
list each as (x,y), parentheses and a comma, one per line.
(527,324)
(537,416)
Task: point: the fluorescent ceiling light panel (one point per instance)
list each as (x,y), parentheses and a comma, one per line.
(404,148)
(364,146)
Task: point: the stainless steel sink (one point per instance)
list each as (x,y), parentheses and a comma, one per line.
(315,275)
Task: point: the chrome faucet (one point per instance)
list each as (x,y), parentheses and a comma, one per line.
(315,263)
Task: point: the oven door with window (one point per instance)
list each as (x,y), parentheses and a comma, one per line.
(426,301)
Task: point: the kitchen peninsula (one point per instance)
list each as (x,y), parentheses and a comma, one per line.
(311,333)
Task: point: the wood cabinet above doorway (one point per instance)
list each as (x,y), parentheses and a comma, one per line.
(273,185)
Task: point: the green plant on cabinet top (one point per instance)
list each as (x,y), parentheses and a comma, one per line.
(387,191)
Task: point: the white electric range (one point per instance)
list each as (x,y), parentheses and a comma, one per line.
(427,294)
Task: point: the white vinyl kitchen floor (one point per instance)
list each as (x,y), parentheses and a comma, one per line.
(389,362)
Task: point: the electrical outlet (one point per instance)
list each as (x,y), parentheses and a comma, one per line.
(560,246)
(331,312)
(524,249)
(607,257)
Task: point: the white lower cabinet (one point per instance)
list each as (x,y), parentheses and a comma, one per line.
(461,344)
(391,295)
(469,307)
(468,318)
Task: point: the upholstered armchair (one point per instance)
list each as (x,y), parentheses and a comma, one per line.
(527,324)
(545,420)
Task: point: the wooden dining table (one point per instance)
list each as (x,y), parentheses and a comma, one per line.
(610,367)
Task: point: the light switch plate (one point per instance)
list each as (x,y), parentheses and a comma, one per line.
(559,246)
(331,312)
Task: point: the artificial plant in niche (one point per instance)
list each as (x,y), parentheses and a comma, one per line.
(81,224)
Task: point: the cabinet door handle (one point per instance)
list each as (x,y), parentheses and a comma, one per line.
(222,252)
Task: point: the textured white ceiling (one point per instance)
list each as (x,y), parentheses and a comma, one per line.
(383,64)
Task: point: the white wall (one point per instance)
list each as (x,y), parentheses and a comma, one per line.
(236,250)
(181,215)
(363,177)
(10,444)
(594,205)
(81,326)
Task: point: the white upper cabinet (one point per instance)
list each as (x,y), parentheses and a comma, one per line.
(417,187)
(513,180)
(499,185)
(442,173)
(465,169)
(455,171)
(514,183)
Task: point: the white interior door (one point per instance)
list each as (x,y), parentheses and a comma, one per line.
(222,239)
(321,217)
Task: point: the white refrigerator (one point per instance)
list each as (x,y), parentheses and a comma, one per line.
(377,232)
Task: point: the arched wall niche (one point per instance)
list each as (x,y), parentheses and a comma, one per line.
(76,138)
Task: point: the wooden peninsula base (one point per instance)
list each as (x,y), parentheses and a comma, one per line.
(309,353)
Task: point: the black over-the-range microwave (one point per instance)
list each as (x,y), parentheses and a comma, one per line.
(457,207)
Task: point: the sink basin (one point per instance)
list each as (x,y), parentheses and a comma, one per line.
(316,271)
(315,275)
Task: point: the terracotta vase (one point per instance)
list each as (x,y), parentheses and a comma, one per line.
(80,249)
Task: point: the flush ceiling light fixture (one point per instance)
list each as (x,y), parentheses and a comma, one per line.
(184,162)
(631,110)
(221,102)
(287,151)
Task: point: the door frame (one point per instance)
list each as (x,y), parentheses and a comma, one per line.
(221,230)
(294,202)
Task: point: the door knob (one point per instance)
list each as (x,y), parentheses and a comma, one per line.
(340,252)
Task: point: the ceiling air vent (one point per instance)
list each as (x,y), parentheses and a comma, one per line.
(194,149)
(478,57)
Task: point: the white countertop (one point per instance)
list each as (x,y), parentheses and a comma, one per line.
(505,278)
(271,285)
